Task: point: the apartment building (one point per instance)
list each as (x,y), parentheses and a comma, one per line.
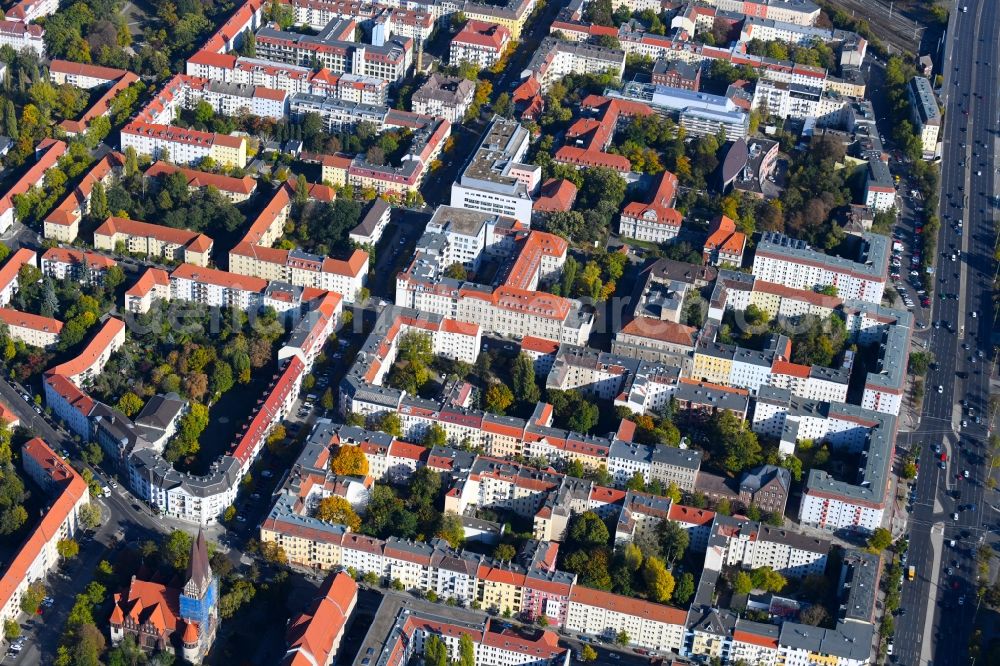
(63,223)
(33,330)
(648,625)
(20,35)
(511,16)
(880,189)
(314,635)
(479,43)
(724,245)
(793,263)
(665,464)
(857,503)
(333,49)
(184,146)
(926,113)
(77,265)
(235,189)
(153,240)
(47,154)
(752,545)
(555,58)
(91,361)
(10,273)
(344,276)
(448,97)
(38,554)
(349,87)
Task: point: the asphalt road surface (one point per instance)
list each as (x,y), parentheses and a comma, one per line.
(940,607)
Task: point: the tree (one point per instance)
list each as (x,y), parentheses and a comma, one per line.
(674,493)
(673,540)
(920,362)
(659,581)
(588,654)
(350,461)
(390,424)
(814,615)
(684,590)
(622,638)
(67,548)
(880,539)
(90,516)
(335,509)
(466,651)
(177,549)
(735,443)
(498,398)
(435,436)
(130,404)
(451,529)
(504,552)
(242,592)
(11,629)
(767,579)
(33,597)
(435,651)
(456,272)
(742,584)
(637,482)
(587,530)
(523,375)
(326,401)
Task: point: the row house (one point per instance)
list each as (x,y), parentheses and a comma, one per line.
(153,240)
(62,224)
(47,154)
(184,146)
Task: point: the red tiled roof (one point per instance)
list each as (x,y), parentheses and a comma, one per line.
(628,605)
(10,269)
(74,488)
(592,158)
(190,239)
(65,255)
(20,319)
(665,331)
(481,33)
(555,195)
(214,276)
(313,634)
(111,328)
(149,279)
(245,185)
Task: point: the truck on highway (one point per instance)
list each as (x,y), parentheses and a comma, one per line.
(911,573)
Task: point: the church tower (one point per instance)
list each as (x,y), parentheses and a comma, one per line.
(199,602)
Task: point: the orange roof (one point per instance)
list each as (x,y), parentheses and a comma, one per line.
(315,631)
(181,135)
(336,161)
(7,415)
(91,71)
(690,515)
(158,605)
(528,264)
(755,639)
(53,150)
(807,295)
(628,605)
(460,327)
(35,322)
(665,331)
(111,328)
(352,266)
(592,158)
(69,392)
(149,279)
(120,225)
(65,255)
(73,489)
(722,227)
(245,185)
(9,271)
(220,278)
(781,367)
(530,343)
(481,33)
(555,195)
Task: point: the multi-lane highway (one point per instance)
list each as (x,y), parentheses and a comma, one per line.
(940,605)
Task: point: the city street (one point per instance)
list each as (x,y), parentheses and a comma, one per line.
(940,607)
